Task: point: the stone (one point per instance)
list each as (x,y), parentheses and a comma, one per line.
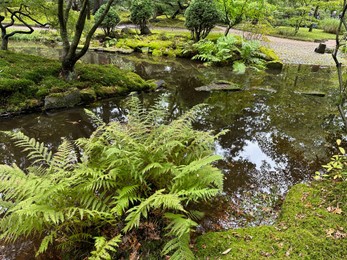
(62,100)
(321,48)
(311,93)
(220,86)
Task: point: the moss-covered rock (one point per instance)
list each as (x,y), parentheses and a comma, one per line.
(27,78)
(311,226)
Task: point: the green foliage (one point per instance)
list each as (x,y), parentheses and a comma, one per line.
(229,49)
(329,25)
(110,21)
(112,184)
(337,167)
(201,16)
(141,11)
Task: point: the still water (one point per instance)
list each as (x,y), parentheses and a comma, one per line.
(278,135)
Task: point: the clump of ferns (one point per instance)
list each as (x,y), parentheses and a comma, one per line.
(127,176)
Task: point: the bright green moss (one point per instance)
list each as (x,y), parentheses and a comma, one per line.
(26,80)
(308,228)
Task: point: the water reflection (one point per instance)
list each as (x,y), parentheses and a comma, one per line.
(277,137)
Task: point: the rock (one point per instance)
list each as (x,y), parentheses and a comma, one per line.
(62,100)
(321,48)
(311,93)
(220,86)
(329,50)
(271,90)
(160,84)
(124,51)
(274,65)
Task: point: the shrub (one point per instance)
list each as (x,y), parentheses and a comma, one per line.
(330,25)
(201,17)
(110,21)
(141,11)
(139,180)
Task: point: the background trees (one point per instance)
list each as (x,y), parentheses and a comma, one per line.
(201,16)
(141,11)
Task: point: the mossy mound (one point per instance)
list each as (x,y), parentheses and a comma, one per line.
(312,225)
(26,80)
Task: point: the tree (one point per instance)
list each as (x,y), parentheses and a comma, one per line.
(141,11)
(201,17)
(341,42)
(110,21)
(70,42)
(21,14)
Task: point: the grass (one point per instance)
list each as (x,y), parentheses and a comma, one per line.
(24,87)
(312,225)
(303,34)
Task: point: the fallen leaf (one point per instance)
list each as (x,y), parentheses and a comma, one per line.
(226,251)
(329,232)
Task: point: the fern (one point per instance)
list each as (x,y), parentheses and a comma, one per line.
(103,247)
(124,173)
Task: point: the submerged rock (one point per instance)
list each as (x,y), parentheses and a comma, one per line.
(220,86)
(311,93)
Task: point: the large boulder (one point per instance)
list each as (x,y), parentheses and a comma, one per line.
(62,100)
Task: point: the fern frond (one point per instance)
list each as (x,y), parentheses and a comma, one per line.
(94,118)
(37,152)
(180,248)
(158,201)
(45,243)
(65,158)
(102,248)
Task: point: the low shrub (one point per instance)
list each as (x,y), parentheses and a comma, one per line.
(329,25)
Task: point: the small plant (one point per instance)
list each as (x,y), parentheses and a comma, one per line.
(110,21)
(128,183)
(337,167)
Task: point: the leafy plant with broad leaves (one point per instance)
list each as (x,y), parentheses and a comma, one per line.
(230,49)
(337,167)
(98,194)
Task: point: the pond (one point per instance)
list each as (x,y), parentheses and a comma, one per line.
(278,135)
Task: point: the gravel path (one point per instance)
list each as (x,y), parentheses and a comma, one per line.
(297,52)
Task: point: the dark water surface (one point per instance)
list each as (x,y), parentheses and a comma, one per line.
(277,136)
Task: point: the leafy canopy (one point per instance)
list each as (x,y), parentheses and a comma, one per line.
(95,194)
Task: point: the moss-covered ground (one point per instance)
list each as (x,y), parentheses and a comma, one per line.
(26,80)
(312,225)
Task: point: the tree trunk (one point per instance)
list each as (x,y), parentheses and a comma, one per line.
(314,15)
(67,68)
(4,44)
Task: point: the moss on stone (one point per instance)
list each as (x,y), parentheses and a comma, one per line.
(311,226)
(28,77)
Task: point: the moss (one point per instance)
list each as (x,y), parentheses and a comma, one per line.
(270,55)
(308,228)
(27,78)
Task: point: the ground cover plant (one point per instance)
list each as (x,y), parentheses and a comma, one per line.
(129,187)
(24,86)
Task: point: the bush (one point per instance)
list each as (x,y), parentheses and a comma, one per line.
(110,21)
(201,17)
(141,11)
(330,25)
(140,180)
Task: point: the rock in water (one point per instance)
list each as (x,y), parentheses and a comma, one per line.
(220,86)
